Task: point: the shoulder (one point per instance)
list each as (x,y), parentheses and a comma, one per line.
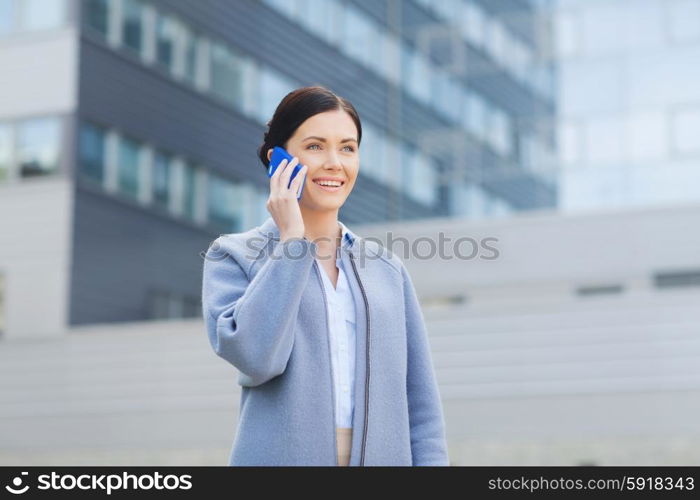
(375,250)
(242,247)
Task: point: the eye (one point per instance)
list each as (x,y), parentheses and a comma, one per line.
(351,148)
(311,145)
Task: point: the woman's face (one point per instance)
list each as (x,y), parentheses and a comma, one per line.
(327,144)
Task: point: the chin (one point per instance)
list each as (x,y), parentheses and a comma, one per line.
(325,206)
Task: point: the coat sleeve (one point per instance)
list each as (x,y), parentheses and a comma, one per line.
(250,324)
(426,419)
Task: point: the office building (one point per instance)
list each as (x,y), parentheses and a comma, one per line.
(129,130)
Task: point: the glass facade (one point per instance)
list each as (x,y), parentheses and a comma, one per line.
(628,118)
(481,121)
(254,89)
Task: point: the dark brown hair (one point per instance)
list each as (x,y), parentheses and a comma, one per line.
(295,108)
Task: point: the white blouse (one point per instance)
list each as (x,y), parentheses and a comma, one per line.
(341,321)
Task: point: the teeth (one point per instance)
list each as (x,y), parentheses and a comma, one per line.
(329,183)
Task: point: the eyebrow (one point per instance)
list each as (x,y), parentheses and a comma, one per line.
(347,139)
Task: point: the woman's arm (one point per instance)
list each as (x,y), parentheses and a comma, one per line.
(251,324)
(428,441)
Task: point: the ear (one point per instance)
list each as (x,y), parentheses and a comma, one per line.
(269,154)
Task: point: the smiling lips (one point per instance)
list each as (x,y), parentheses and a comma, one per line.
(329,184)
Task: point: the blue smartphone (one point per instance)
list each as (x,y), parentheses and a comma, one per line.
(279,154)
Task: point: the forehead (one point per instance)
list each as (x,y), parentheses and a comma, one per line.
(331,124)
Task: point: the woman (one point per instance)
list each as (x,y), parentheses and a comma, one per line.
(324,327)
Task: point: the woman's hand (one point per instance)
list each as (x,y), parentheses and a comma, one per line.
(283,204)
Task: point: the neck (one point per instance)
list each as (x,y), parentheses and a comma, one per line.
(322,225)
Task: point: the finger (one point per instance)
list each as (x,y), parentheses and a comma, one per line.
(274,178)
(287,174)
(298,180)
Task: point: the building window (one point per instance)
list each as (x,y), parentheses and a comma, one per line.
(680,278)
(286,7)
(378,154)
(570,143)
(370,151)
(273,87)
(223,204)
(318,16)
(258,209)
(360,37)
(407,162)
(500,132)
(162,168)
(568,33)
(165,305)
(392,174)
(473,24)
(190,43)
(251,88)
(128,167)
(5,150)
(7,16)
(682,21)
(391,48)
(476,115)
(41,14)
(96,15)
(169,305)
(418,178)
(38,146)
(686,124)
(167,31)
(190,192)
(448,10)
(594,290)
(92,152)
(227,74)
(133,24)
(417,67)
(424,185)
(496,41)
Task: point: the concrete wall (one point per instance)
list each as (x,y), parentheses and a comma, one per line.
(39,73)
(607,380)
(35,249)
(544,257)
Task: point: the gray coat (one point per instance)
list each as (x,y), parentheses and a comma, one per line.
(264,310)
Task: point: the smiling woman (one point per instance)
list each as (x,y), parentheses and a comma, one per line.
(315,312)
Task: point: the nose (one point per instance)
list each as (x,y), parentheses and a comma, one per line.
(332,162)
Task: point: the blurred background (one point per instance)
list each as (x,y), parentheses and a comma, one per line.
(568,130)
